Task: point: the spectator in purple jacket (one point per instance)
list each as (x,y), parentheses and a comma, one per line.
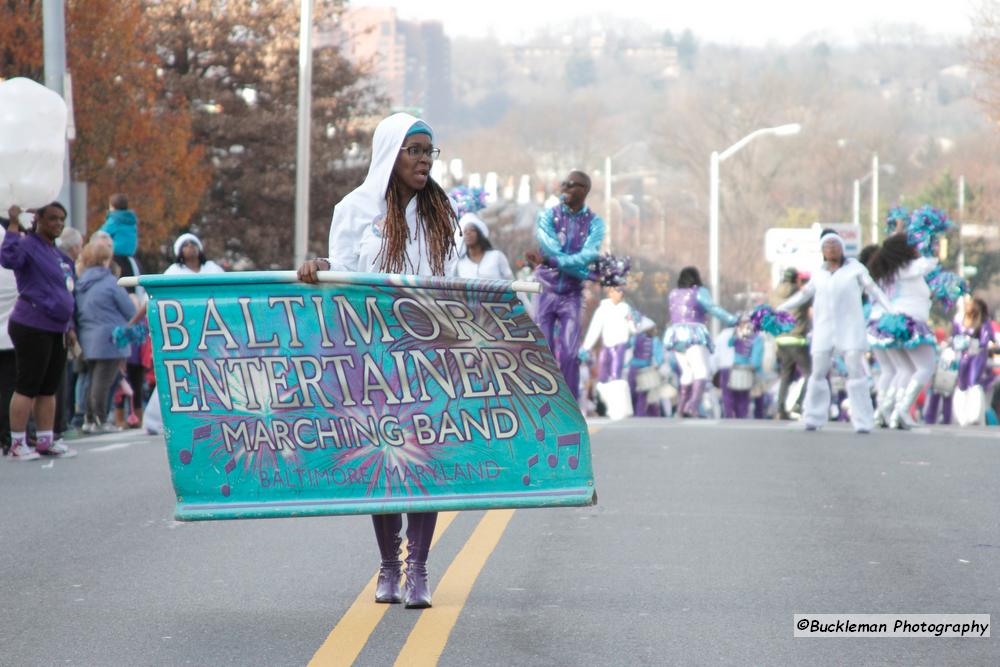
(40,324)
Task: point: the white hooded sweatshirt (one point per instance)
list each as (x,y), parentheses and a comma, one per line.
(355,236)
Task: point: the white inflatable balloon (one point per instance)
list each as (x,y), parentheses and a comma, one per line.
(32,144)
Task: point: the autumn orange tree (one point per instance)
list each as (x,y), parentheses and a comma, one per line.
(237,63)
(131,136)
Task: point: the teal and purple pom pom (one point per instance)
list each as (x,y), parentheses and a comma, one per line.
(767,319)
(123,336)
(467,200)
(927,224)
(896,214)
(946,287)
(896,326)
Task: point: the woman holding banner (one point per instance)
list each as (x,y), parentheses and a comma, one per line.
(398,221)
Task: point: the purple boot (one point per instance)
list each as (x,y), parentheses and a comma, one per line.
(387,528)
(682,399)
(693,405)
(419,532)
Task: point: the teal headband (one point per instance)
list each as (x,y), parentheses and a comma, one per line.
(420,127)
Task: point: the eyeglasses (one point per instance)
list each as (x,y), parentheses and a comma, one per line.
(571,184)
(417,151)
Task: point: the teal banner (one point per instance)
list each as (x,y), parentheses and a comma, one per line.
(362,395)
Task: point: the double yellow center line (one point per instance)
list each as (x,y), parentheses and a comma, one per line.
(429,636)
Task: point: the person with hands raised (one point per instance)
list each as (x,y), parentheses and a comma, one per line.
(41,326)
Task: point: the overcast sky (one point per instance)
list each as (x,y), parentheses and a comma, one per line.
(747,22)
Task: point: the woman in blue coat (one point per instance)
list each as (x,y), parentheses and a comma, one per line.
(101,305)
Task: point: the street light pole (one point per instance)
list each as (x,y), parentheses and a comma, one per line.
(303,134)
(713,231)
(54,47)
(607,196)
(713,200)
(961,222)
(856,218)
(875,198)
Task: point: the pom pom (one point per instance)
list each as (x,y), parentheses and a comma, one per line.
(896,326)
(946,287)
(895,215)
(927,224)
(123,336)
(467,200)
(767,319)
(610,271)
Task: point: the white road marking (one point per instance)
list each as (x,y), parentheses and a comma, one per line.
(109,448)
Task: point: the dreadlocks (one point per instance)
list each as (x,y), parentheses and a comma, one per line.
(436,221)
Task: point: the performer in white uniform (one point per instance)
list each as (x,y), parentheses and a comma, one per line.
(398,221)
(902,273)
(613,324)
(838,324)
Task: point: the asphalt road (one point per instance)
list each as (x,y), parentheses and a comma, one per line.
(707,539)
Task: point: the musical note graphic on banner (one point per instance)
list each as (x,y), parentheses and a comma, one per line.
(199,433)
(532,461)
(542,411)
(229,468)
(571,440)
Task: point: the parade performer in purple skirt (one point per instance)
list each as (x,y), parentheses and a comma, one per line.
(569,236)
(647,357)
(973,337)
(906,338)
(690,305)
(907,267)
(748,363)
(944,383)
(398,221)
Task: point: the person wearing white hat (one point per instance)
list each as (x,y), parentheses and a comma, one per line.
(838,325)
(189,256)
(480,259)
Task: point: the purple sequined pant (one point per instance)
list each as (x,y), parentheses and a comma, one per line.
(934,402)
(559,320)
(642,406)
(611,363)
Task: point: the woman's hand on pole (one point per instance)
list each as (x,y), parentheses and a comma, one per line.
(309,271)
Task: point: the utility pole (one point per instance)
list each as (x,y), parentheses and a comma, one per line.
(875,198)
(54,37)
(607,199)
(961,223)
(303,135)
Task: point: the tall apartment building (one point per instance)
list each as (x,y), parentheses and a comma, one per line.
(410,60)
